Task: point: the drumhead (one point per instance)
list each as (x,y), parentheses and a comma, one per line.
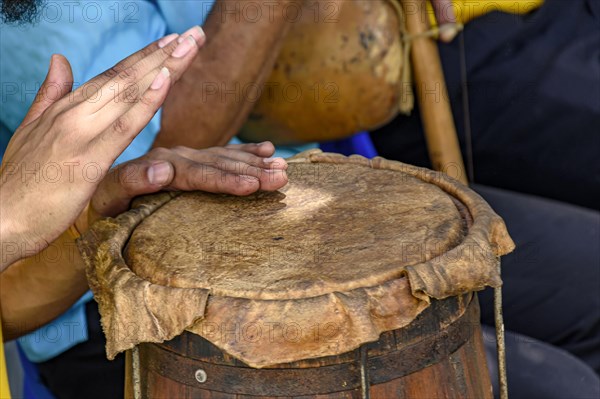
(349,249)
(332,228)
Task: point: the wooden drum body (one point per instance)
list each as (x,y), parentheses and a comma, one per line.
(354,280)
(439,355)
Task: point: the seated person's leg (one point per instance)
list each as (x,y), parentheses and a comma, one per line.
(551,280)
(533,118)
(538,370)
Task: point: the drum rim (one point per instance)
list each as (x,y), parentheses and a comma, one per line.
(390,306)
(394,270)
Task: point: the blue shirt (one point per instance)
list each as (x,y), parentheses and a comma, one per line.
(93,35)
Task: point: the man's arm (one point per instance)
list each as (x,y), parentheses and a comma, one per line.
(41,287)
(73,130)
(208,106)
(36,290)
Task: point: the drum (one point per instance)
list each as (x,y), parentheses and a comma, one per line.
(355,280)
(339,72)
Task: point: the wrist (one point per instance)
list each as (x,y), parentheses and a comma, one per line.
(9,238)
(85,219)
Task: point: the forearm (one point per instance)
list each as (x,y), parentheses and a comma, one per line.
(38,289)
(12,242)
(214,97)
(9,248)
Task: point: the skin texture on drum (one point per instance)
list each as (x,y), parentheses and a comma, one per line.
(290,244)
(338,73)
(361,294)
(440,355)
(278,333)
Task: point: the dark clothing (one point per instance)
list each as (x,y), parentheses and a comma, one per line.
(552,280)
(536,370)
(534,91)
(534,99)
(83,371)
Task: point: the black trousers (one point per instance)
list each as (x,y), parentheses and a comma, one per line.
(534,100)
(551,281)
(534,91)
(84,371)
(536,370)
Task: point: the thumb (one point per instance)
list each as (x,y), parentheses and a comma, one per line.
(125,182)
(58,83)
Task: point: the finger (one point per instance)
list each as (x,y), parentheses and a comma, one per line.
(110,84)
(216,154)
(57,84)
(240,163)
(89,90)
(273,179)
(262,150)
(164,169)
(446,19)
(207,160)
(444,12)
(120,129)
(265,149)
(129,180)
(191,175)
(129,93)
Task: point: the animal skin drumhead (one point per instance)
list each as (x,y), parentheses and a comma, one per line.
(360,244)
(332,228)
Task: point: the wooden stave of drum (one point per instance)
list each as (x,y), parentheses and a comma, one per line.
(419,361)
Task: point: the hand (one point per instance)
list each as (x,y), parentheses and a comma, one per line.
(444,14)
(67,142)
(234,169)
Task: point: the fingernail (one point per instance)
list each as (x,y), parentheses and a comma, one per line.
(51,62)
(160,79)
(448,32)
(275,162)
(159,173)
(196,32)
(249,178)
(167,39)
(184,47)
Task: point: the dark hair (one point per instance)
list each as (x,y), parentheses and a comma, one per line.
(19,11)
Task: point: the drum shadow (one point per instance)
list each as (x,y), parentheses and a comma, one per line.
(274,198)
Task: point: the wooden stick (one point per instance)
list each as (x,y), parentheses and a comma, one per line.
(128,375)
(440,132)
